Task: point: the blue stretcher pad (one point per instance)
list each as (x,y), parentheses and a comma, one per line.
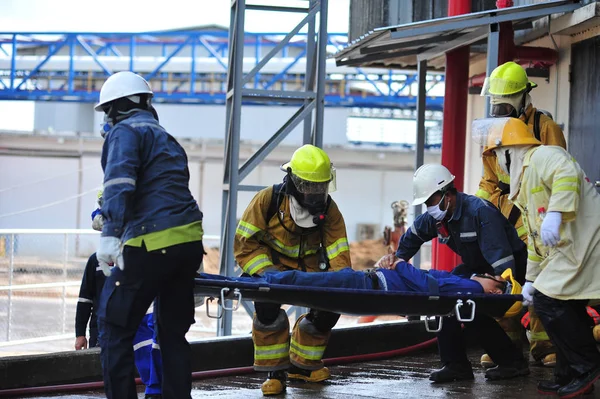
(356,301)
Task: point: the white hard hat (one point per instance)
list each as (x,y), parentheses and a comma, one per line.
(122,84)
(429,179)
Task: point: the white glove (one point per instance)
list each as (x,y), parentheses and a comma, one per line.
(109,252)
(551,229)
(527,292)
(98,222)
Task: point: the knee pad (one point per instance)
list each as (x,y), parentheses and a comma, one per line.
(266,313)
(279,322)
(323,321)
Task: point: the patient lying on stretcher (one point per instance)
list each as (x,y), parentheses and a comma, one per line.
(404,277)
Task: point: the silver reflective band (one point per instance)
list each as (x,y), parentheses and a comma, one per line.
(468,234)
(119,180)
(142,344)
(503,260)
(85,300)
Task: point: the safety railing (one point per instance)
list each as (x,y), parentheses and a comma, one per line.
(40,276)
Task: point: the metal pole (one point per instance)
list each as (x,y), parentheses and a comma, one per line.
(492,57)
(79,191)
(64,289)
(309,76)
(11,270)
(234,126)
(420,145)
(321,72)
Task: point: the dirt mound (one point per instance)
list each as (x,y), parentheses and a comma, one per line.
(364,254)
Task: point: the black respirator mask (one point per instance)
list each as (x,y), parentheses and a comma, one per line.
(311,196)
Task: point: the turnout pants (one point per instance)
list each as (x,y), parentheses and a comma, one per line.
(568,326)
(168,276)
(273,348)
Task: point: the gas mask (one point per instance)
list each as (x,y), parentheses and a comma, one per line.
(509,106)
(312,196)
(436,212)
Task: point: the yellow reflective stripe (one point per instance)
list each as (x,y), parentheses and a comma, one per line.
(310,252)
(269,352)
(257,263)
(574,189)
(246,229)
(483,194)
(307,352)
(337,248)
(504,178)
(539,336)
(537,189)
(533,256)
(522,231)
(566,180)
(290,251)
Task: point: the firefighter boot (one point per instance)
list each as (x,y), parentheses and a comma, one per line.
(487,362)
(296,373)
(275,383)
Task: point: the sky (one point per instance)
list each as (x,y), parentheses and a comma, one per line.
(148,15)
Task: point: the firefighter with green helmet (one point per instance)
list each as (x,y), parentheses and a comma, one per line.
(294,225)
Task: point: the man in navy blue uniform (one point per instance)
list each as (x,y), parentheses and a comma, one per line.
(487,244)
(152,233)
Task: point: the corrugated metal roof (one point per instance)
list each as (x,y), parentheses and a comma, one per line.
(403,45)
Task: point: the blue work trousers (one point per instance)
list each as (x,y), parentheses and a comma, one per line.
(167,275)
(146,352)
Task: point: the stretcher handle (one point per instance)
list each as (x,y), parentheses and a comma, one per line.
(439,325)
(237,295)
(219,312)
(459,304)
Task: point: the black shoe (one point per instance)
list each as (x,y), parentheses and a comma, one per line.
(580,385)
(503,372)
(452,372)
(551,387)
(297,370)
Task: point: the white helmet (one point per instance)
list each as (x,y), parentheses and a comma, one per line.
(122,84)
(429,179)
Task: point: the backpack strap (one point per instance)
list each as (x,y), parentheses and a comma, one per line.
(276,200)
(536,125)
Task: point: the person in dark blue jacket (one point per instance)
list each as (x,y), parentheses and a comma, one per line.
(152,233)
(488,244)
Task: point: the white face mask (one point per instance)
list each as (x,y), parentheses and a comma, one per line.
(503,160)
(436,212)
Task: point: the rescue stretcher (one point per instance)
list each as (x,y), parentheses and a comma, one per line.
(356,302)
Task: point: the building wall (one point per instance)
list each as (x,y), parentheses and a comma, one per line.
(193,121)
(42,192)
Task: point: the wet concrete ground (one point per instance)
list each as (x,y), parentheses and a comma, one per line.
(402,377)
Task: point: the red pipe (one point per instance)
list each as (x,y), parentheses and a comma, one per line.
(86,386)
(454,126)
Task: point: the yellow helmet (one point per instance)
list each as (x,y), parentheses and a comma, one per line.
(506,80)
(310,164)
(513,288)
(493,133)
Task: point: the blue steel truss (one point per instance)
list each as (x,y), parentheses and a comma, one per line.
(185,67)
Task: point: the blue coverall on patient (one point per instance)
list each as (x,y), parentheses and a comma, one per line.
(404,278)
